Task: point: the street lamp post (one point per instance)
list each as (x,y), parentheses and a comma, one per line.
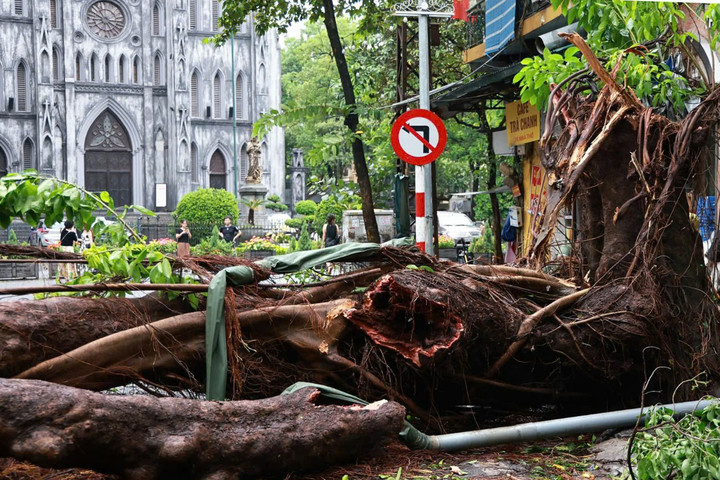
(424,212)
(234,115)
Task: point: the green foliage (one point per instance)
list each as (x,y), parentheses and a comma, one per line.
(12,238)
(445,242)
(212,245)
(29,197)
(687,449)
(325,207)
(613,27)
(306,207)
(275,203)
(298,222)
(261,244)
(304,242)
(208,206)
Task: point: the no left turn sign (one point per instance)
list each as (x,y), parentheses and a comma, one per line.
(418,136)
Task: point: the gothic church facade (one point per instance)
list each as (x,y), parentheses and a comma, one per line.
(124,96)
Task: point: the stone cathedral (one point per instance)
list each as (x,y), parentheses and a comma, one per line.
(124,96)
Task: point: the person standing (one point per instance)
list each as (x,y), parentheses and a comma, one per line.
(68,239)
(87,238)
(183,236)
(229,233)
(331,235)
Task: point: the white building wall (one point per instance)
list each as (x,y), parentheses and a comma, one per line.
(155,114)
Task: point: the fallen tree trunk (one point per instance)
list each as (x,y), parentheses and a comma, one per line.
(141,437)
(32,331)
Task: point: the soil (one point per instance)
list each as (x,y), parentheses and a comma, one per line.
(560,459)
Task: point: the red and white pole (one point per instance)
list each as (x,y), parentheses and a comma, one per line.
(420,227)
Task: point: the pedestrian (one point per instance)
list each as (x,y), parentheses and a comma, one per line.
(183,237)
(229,233)
(87,238)
(68,239)
(330,235)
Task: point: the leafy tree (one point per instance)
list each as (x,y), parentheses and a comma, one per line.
(275,203)
(252,204)
(207,206)
(615,31)
(280,14)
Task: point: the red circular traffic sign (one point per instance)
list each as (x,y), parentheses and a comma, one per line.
(418,136)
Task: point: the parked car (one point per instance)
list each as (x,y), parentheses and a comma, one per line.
(457,226)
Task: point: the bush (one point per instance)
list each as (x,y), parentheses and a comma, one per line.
(212,245)
(275,203)
(304,242)
(306,207)
(324,208)
(12,238)
(298,222)
(445,242)
(207,206)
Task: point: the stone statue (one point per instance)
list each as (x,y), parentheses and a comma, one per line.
(254,174)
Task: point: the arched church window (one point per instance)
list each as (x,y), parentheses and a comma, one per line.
(93,68)
(28,154)
(109,159)
(193,14)
(156,20)
(121,69)
(262,79)
(215,12)
(217,96)
(194,96)
(78,67)
(217,170)
(53,14)
(136,70)
(57,68)
(238,96)
(194,164)
(3,163)
(108,68)
(156,70)
(21,79)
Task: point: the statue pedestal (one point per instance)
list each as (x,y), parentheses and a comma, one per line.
(251,191)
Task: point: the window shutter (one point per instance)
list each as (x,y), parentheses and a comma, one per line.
(194,163)
(215,13)
(19,7)
(156,20)
(27,155)
(21,88)
(157,70)
(238,97)
(194,100)
(193,14)
(56,65)
(216,97)
(53,14)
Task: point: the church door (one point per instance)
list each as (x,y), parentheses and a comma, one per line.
(217,170)
(108,159)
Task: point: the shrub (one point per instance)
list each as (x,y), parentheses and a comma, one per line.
(298,222)
(212,245)
(304,242)
(12,238)
(207,206)
(275,203)
(306,207)
(445,242)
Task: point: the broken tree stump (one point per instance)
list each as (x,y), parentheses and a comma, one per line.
(143,437)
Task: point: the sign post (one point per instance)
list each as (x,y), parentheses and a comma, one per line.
(419,137)
(423,177)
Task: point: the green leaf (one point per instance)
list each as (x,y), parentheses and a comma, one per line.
(143,210)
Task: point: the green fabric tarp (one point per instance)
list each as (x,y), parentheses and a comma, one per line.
(215,341)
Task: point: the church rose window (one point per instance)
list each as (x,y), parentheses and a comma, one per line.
(105,19)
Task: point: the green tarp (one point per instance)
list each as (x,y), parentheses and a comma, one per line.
(215,342)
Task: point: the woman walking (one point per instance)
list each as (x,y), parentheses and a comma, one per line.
(183,237)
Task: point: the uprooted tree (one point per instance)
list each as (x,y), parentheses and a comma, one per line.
(634,304)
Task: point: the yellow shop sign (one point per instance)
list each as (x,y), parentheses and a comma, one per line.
(523,123)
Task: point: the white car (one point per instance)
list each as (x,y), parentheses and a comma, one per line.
(457,226)
(51,235)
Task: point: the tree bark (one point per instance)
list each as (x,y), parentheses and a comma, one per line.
(142,437)
(352,122)
(32,331)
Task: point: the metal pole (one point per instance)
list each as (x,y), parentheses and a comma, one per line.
(423,177)
(234,119)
